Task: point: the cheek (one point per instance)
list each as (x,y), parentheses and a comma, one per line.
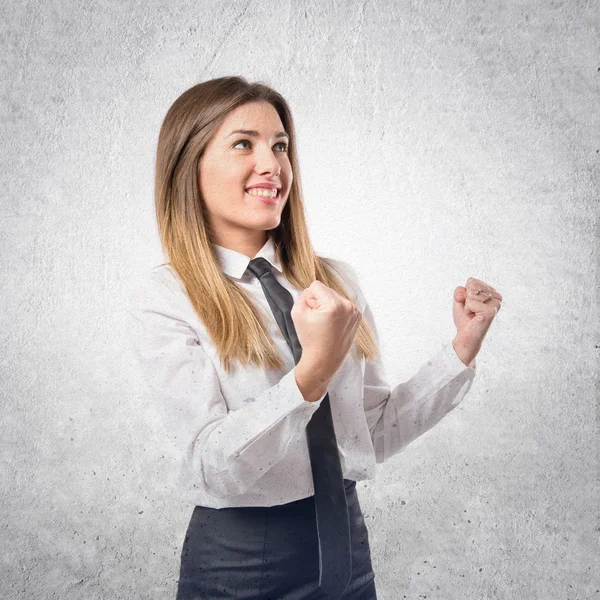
(222,186)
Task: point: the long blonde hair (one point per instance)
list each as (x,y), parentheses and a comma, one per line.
(229,314)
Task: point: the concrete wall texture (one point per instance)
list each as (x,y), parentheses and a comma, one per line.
(438,140)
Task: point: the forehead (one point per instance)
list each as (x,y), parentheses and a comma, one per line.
(253,115)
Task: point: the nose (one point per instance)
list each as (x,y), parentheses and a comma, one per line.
(267,161)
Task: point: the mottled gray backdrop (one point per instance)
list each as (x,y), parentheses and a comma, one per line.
(438,140)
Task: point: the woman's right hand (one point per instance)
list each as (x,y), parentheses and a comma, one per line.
(326,324)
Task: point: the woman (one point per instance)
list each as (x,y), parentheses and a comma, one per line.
(225,372)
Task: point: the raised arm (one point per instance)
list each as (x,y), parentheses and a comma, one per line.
(227,451)
(398,415)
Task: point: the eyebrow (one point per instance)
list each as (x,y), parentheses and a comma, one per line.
(255,133)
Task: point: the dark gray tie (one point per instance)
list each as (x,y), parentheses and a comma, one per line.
(333,527)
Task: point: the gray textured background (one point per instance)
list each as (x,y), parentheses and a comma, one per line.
(438,140)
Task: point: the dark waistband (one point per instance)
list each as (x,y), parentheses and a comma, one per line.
(348,483)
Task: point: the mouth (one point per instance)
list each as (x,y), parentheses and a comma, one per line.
(265,199)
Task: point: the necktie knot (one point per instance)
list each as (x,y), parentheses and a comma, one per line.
(279,298)
(259,266)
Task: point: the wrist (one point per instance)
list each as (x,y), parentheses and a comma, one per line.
(465,353)
(311,385)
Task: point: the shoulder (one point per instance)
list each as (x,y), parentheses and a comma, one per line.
(159,284)
(348,276)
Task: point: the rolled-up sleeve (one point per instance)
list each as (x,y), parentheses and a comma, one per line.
(225,452)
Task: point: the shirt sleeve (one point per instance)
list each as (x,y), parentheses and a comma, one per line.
(398,415)
(225,452)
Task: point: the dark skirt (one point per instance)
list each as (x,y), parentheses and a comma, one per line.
(267,553)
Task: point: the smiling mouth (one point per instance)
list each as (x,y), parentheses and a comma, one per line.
(268,193)
(266,199)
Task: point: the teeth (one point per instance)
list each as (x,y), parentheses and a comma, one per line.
(262,192)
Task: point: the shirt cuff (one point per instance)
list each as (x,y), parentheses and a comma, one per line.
(455,365)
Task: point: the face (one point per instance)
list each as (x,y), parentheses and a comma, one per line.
(231,163)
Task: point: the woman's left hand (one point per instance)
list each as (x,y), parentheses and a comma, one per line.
(473,314)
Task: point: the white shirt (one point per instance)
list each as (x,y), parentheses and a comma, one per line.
(241,436)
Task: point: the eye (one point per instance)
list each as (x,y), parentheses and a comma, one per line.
(284,144)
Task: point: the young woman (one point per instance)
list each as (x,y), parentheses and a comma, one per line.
(234,399)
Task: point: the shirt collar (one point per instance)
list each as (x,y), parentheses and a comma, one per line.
(235,263)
